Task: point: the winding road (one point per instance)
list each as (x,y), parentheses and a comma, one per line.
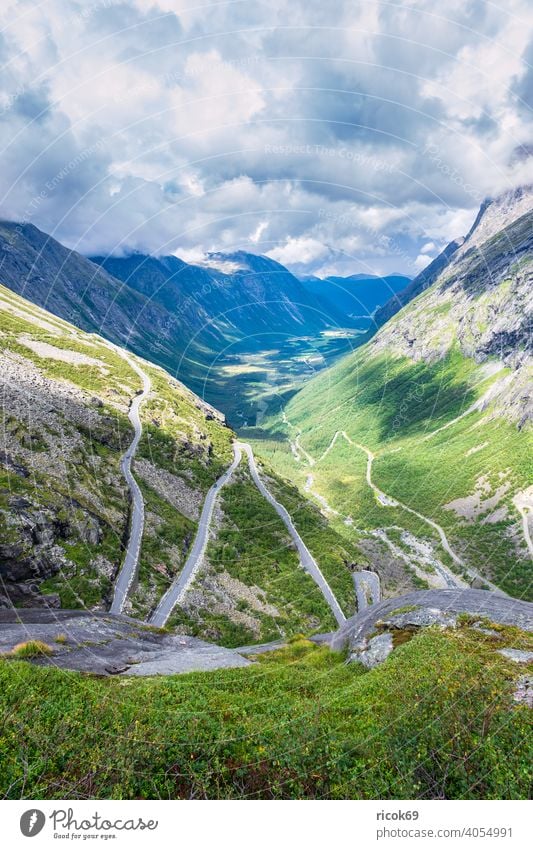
(177,590)
(179,587)
(306,558)
(130,565)
(388,501)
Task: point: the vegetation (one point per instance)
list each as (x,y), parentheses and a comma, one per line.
(391,406)
(31,649)
(253,546)
(62,453)
(436,720)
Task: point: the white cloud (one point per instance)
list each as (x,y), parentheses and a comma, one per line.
(301,251)
(421,262)
(194,130)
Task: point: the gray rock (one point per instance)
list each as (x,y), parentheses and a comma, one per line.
(518,655)
(111,645)
(423,617)
(489,632)
(523,693)
(373,652)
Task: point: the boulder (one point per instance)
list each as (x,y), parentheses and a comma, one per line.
(374,651)
(517,655)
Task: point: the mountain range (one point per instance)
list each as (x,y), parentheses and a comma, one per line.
(424,434)
(347,587)
(231,328)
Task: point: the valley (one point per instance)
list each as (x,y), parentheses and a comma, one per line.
(141,464)
(419,444)
(346,547)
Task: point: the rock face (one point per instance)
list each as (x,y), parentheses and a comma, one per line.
(478,295)
(432,607)
(111,645)
(422,617)
(36,551)
(495,214)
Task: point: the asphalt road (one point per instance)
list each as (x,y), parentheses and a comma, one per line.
(367,588)
(306,558)
(498,608)
(130,565)
(180,586)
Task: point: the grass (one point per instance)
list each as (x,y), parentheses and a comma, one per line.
(390,405)
(31,649)
(436,720)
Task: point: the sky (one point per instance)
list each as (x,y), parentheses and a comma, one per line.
(336,138)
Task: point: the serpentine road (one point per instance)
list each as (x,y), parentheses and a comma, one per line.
(179,587)
(182,583)
(306,558)
(388,501)
(131,561)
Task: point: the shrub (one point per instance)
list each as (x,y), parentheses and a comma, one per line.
(31,648)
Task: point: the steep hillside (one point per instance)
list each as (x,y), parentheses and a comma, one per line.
(240,330)
(495,214)
(65,507)
(39,268)
(64,503)
(419,444)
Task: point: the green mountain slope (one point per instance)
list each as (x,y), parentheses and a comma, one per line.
(442,399)
(64,504)
(238,330)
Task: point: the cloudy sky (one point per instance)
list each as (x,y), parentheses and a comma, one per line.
(334,137)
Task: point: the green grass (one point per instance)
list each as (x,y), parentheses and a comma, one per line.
(390,405)
(436,720)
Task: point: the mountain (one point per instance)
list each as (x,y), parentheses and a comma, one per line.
(493,217)
(418,445)
(65,509)
(64,503)
(236,329)
(358,296)
(35,265)
(437,400)
(242,295)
